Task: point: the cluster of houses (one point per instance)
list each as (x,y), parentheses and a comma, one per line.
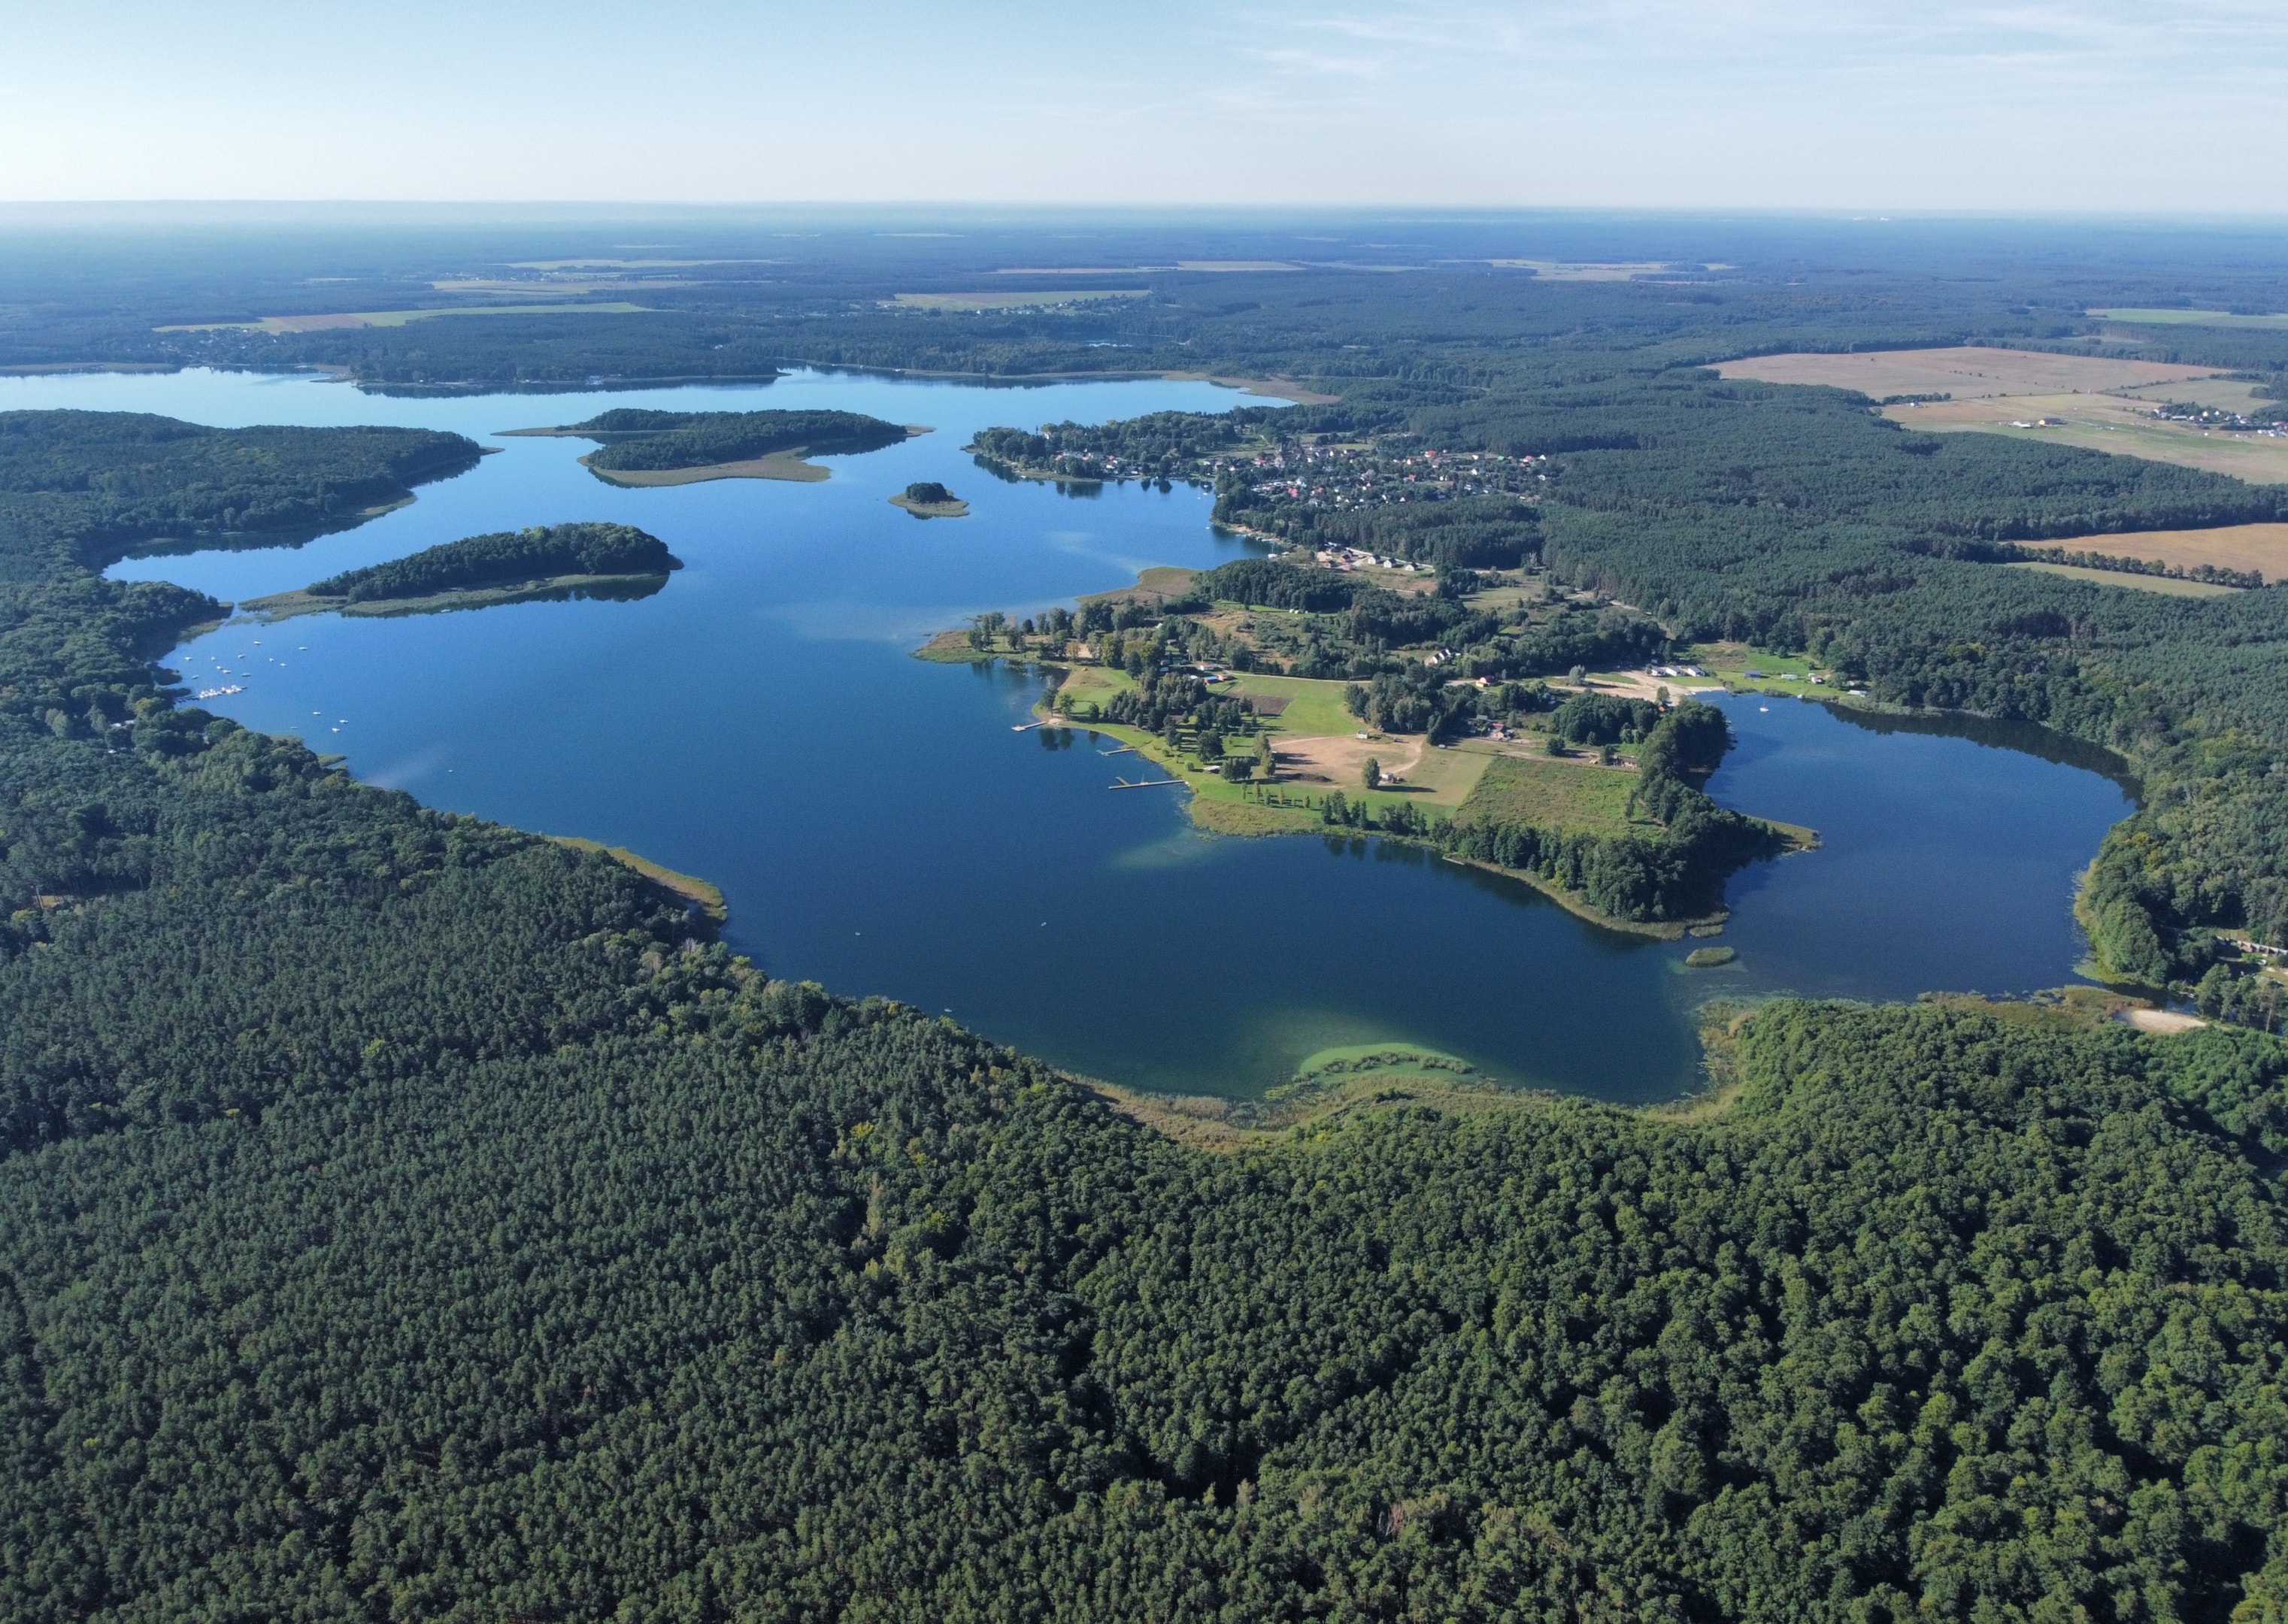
(1354,558)
(1356,476)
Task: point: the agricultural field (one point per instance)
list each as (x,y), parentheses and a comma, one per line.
(2119,425)
(1965,372)
(2096,403)
(2261,548)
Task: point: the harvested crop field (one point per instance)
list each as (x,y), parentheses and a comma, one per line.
(2262,547)
(1965,372)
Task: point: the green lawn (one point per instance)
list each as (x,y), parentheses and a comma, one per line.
(1314,706)
(1087,684)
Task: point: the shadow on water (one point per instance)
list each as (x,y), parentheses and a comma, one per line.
(1996,733)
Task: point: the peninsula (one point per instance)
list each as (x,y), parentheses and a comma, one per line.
(645,448)
(505,566)
(1295,721)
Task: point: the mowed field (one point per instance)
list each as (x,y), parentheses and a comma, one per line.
(1964,371)
(2262,547)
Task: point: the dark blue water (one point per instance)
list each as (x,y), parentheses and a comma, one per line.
(877,825)
(1948,852)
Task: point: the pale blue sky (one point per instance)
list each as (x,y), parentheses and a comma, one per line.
(2135,105)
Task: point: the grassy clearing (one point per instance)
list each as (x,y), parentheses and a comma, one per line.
(1571,797)
(689,887)
(2190,318)
(951,648)
(2167,586)
(1155,585)
(1965,372)
(1092,684)
(1314,707)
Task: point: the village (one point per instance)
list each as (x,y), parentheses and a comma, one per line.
(1352,474)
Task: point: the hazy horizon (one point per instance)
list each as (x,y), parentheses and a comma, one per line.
(2100,107)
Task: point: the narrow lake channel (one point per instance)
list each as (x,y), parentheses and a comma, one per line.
(877,825)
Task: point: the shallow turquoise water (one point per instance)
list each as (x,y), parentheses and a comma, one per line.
(877,825)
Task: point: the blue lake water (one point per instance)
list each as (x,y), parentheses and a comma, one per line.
(877,825)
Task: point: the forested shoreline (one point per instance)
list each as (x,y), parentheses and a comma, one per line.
(504,557)
(406,1217)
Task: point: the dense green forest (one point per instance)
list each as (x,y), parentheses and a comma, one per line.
(637,440)
(405,1217)
(504,557)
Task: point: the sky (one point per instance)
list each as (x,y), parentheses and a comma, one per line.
(2130,106)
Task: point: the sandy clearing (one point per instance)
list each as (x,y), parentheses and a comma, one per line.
(1269,388)
(1965,372)
(1637,684)
(1337,760)
(2161,1021)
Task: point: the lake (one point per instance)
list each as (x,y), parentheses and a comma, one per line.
(877,825)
